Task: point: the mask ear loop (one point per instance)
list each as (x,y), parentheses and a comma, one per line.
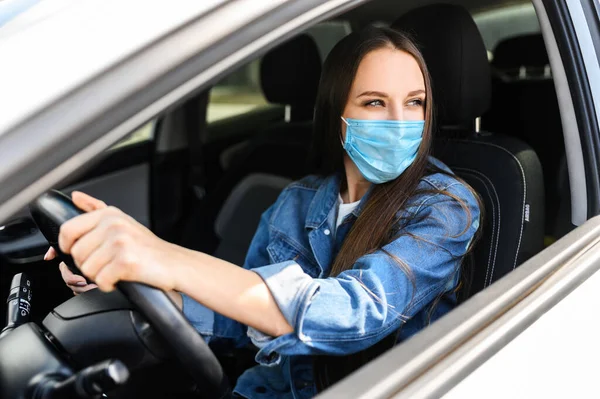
(341,138)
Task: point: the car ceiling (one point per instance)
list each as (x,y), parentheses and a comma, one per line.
(388,10)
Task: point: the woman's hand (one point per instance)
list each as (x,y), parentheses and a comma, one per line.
(108,246)
(76,283)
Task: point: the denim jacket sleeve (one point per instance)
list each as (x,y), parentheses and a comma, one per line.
(354,310)
(214,326)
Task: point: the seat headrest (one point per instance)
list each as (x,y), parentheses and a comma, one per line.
(290,73)
(526,50)
(456,58)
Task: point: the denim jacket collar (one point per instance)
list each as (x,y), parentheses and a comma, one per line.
(326,198)
(323,201)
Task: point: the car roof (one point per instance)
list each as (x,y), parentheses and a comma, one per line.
(386,11)
(56,45)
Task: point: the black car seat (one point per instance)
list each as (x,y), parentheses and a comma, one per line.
(524,105)
(238,219)
(521,56)
(290,76)
(504,170)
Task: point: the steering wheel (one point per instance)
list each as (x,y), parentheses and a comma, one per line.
(50,211)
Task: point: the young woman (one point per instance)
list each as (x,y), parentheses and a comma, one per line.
(367,251)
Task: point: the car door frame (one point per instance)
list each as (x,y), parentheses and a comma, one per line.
(572,52)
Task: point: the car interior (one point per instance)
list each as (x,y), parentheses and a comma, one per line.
(201,174)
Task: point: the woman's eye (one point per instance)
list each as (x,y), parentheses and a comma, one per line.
(417,102)
(375,103)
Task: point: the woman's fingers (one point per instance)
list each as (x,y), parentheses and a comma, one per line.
(95,210)
(79,290)
(70,278)
(76,228)
(98,259)
(86,202)
(75,282)
(50,254)
(109,246)
(85,246)
(73,229)
(109,276)
(115,260)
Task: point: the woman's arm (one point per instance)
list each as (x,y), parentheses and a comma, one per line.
(109,246)
(350,312)
(232,291)
(78,284)
(236,293)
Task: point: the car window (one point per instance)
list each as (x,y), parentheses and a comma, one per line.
(236,94)
(240,92)
(327,34)
(501,23)
(144,133)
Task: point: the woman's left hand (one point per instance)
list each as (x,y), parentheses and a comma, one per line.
(108,246)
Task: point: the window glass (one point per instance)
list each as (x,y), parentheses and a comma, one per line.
(236,94)
(144,133)
(327,34)
(498,24)
(240,92)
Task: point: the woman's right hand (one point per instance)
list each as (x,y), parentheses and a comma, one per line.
(76,283)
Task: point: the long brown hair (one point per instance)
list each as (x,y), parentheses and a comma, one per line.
(372,229)
(378,223)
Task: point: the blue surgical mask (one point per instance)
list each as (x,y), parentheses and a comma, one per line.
(382,149)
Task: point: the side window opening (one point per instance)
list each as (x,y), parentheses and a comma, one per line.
(144,133)
(236,94)
(524,102)
(498,24)
(241,92)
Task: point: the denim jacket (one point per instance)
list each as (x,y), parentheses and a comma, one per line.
(293,250)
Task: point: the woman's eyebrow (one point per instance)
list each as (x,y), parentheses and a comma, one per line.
(373,94)
(415,92)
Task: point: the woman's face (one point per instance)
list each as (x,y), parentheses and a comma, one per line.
(388,85)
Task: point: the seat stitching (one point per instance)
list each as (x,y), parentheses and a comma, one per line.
(495,231)
(524,189)
(494,234)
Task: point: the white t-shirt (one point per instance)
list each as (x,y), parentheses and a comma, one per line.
(344,210)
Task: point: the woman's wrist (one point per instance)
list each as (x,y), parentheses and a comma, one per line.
(182,264)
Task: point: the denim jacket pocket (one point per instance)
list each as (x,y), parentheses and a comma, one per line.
(281,250)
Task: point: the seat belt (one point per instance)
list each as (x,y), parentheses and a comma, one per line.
(195,123)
